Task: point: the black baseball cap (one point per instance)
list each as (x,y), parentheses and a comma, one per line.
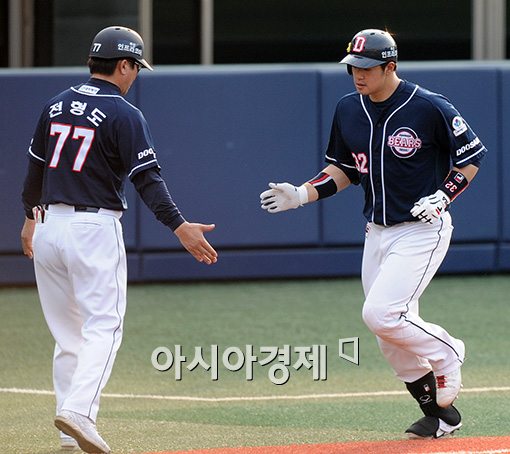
(119,42)
(369,48)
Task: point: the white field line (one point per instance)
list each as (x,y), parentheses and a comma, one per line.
(253,398)
(493,451)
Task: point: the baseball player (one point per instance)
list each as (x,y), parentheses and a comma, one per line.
(87,141)
(413,154)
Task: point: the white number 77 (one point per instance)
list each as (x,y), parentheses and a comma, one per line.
(80,132)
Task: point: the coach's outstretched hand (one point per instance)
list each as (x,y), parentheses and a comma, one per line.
(191,236)
(282,197)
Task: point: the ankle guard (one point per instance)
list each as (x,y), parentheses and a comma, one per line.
(424,391)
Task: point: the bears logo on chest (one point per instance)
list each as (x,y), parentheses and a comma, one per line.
(404,142)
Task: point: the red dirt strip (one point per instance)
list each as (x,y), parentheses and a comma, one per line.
(480,445)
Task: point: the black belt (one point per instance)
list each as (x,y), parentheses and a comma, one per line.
(83,209)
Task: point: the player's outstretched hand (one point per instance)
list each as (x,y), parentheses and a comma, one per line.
(282,197)
(27,233)
(191,236)
(430,208)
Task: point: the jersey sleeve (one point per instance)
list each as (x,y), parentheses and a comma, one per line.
(464,145)
(136,146)
(37,147)
(337,152)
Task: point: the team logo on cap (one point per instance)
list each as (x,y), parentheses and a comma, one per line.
(404,142)
(130,47)
(359,44)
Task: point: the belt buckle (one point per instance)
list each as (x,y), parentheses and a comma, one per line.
(84,209)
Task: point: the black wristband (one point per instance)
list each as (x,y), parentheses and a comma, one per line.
(324,184)
(454,184)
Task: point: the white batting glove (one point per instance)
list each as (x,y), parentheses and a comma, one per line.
(282,197)
(430,208)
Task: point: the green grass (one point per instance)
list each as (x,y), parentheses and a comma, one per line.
(254,313)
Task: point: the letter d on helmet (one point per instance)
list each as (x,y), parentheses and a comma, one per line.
(370,48)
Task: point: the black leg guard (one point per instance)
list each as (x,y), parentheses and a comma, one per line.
(424,391)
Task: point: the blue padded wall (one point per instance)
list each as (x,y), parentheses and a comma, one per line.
(470,258)
(221,136)
(260,263)
(504,126)
(222,133)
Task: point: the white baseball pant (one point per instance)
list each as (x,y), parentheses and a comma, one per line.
(398,264)
(80,267)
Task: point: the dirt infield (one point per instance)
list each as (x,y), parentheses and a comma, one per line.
(481,445)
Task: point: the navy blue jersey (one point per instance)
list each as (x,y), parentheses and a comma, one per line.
(89,138)
(401,149)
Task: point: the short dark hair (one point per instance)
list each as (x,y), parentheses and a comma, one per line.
(386,64)
(104,66)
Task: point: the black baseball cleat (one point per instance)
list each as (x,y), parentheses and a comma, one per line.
(431,427)
(449,415)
